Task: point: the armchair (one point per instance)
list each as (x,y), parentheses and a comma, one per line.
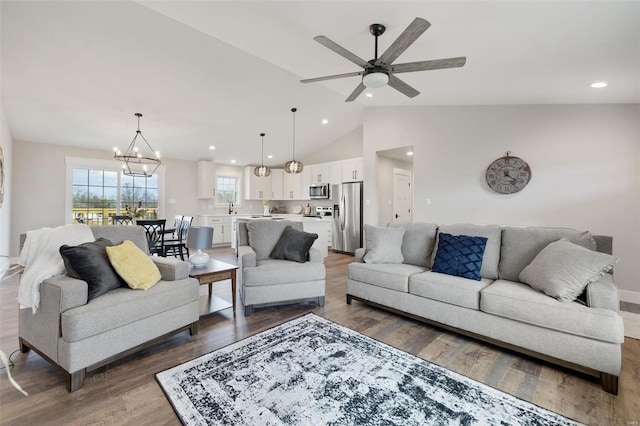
(265,281)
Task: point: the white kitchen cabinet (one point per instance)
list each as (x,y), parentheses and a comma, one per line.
(301,184)
(255,187)
(206,179)
(335,173)
(319,173)
(352,170)
(277,184)
(288,186)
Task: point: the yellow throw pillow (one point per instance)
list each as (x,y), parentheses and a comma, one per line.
(133,265)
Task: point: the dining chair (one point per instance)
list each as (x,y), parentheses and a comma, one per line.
(121,220)
(177,220)
(178,246)
(154,230)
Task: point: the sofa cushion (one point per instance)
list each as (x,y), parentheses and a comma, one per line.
(293,245)
(264,234)
(449,289)
(383,245)
(133,265)
(118,233)
(89,262)
(563,269)
(460,255)
(520,302)
(275,271)
(126,306)
(521,245)
(418,242)
(492,250)
(391,276)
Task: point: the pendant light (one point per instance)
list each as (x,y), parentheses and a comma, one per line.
(138,159)
(293,166)
(262,170)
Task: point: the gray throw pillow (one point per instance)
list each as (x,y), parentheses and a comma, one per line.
(383,245)
(293,245)
(563,269)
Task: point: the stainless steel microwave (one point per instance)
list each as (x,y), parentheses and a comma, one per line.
(319,191)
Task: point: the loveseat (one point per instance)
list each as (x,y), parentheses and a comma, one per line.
(80,335)
(268,278)
(395,271)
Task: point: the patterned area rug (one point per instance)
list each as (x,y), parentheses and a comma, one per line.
(311,371)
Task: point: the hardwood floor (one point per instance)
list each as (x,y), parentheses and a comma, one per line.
(126,392)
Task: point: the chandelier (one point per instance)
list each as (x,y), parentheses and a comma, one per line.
(293,166)
(262,170)
(138,160)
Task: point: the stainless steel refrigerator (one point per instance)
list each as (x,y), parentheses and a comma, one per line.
(346,228)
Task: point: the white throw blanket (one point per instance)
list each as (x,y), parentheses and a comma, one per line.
(41,258)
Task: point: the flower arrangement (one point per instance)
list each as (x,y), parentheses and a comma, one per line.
(136,212)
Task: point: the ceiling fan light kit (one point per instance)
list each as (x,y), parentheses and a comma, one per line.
(293,166)
(138,159)
(262,170)
(379,71)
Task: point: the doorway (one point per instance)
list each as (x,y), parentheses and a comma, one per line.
(402,196)
(394,182)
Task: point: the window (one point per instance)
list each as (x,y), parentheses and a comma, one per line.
(227,190)
(97,190)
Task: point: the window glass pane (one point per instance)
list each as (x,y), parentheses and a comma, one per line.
(226,190)
(80,176)
(130,195)
(96,178)
(110,178)
(151,198)
(95,196)
(79,196)
(126,180)
(152,182)
(110,197)
(139,182)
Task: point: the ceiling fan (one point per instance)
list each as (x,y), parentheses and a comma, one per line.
(379,71)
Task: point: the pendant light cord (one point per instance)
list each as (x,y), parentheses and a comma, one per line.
(294,132)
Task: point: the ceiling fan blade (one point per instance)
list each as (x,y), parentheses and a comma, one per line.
(411,34)
(331,77)
(435,64)
(356,92)
(402,87)
(342,51)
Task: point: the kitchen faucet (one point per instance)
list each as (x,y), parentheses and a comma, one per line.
(230,208)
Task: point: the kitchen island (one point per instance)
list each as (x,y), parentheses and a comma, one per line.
(314,225)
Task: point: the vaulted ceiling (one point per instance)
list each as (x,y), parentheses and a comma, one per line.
(220,72)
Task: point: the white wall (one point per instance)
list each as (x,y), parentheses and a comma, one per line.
(39,186)
(584,159)
(6,142)
(348,146)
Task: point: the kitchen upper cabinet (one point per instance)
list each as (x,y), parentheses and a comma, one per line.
(206,179)
(352,170)
(277,184)
(288,186)
(335,173)
(301,184)
(255,187)
(319,173)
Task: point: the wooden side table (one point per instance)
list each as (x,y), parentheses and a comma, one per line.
(214,271)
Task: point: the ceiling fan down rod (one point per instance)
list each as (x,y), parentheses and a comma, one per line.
(376,30)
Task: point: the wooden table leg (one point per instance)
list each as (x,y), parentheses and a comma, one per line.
(233,291)
(210,285)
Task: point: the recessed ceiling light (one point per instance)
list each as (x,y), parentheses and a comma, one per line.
(369,95)
(233,161)
(269,156)
(409,153)
(325,121)
(211,147)
(599,85)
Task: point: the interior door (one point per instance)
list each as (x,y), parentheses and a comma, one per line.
(402,196)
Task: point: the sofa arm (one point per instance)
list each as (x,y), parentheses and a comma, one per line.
(171,268)
(246,257)
(358,255)
(315,255)
(603,294)
(57,295)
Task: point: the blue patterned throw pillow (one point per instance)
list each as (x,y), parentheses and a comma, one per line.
(460,255)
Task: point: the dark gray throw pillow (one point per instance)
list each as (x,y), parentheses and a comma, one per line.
(293,245)
(89,262)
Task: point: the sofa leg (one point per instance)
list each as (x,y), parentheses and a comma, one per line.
(248,311)
(23,347)
(76,380)
(609,383)
(193,328)
(349,299)
(321,301)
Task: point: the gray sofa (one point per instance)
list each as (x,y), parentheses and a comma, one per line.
(80,336)
(266,281)
(584,335)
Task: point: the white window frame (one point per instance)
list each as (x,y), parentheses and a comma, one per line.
(110,165)
(238,178)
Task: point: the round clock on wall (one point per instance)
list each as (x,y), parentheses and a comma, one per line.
(508,175)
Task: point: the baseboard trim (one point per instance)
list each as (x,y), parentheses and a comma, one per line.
(629,296)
